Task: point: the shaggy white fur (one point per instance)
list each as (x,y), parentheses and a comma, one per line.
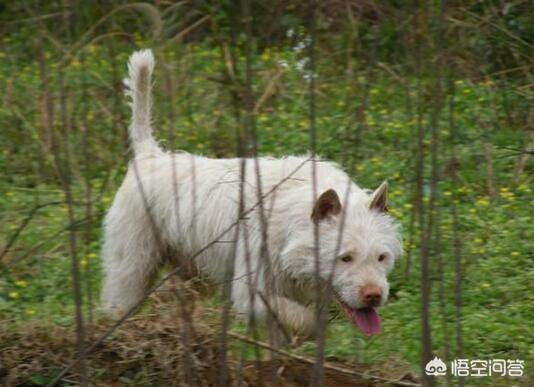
(179,204)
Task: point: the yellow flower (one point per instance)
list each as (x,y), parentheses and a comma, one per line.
(76,63)
(21,283)
(266,55)
(524,187)
(482,202)
(515,254)
(507,194)
(394,212)
(13,295)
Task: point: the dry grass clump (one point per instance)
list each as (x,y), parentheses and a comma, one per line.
(174,346)
(145,349)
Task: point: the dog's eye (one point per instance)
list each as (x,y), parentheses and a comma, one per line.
(346,258)
(382,258)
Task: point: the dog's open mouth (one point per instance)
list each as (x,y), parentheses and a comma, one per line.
(367,319)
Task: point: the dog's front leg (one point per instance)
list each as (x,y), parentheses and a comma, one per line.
(295,318)
(251,296)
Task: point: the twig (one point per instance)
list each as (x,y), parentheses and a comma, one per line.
(267,92)
(326,365)
(186,30)
(275,316)
(23,225)
(37,246)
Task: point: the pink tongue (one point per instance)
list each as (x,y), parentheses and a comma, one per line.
(367,320)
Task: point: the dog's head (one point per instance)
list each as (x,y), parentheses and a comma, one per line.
(358,243)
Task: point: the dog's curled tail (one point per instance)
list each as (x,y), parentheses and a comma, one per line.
(139,88)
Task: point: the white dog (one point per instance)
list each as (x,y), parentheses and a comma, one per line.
(265,230)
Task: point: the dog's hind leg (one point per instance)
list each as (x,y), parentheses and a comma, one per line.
(131,259)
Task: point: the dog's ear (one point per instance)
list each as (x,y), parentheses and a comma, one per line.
(379,198)
(326,206)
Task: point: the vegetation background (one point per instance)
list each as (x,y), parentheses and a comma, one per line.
(435,97)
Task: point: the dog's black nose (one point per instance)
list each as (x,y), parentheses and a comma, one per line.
(371,295)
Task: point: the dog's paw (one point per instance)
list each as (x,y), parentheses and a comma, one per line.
(112,312)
